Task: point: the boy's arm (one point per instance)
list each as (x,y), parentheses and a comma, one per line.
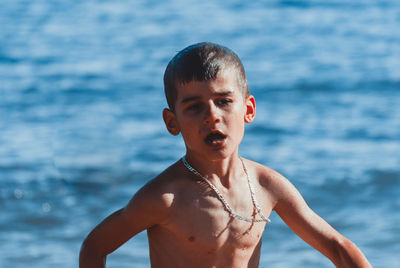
(294,211)
(147,208)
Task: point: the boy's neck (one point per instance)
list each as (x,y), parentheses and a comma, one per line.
(219,171)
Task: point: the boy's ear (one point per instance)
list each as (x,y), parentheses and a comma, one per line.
(250,109)
(170,122)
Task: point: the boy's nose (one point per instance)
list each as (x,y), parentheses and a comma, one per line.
(212,115)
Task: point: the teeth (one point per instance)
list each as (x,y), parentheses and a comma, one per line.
(215,137)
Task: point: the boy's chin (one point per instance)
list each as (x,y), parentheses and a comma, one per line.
(220,154)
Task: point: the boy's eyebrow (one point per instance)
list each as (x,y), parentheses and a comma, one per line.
(191,98)
(224,93)
(218,94)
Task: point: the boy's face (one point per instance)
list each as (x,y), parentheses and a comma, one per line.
(211,115)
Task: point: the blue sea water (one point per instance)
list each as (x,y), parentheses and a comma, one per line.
(81,131)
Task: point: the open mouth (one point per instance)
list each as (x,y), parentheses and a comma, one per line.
(215,137)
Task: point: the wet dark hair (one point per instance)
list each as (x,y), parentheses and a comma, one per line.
(200,62)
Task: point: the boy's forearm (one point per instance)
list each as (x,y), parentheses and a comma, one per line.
(99,243)
(349,255)
(91,262)
(89,259)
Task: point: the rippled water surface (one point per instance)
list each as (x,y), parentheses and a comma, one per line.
(81,97)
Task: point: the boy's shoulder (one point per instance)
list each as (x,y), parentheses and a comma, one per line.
(169,179)
(164,186)
(264,173)
(269,179)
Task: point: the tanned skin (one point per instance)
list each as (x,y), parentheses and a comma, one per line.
(186,223)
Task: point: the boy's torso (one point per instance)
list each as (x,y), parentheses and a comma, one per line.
(199,232)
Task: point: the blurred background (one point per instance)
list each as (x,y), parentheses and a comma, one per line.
(81,96)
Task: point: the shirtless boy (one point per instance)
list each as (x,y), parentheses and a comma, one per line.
(210,208)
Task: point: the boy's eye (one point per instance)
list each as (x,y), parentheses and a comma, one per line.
(194,107)
(223,102)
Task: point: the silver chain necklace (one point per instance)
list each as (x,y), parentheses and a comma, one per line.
(222,199)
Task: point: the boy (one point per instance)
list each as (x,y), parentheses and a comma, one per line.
(209,209)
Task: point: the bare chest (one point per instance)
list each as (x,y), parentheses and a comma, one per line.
(202,221)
